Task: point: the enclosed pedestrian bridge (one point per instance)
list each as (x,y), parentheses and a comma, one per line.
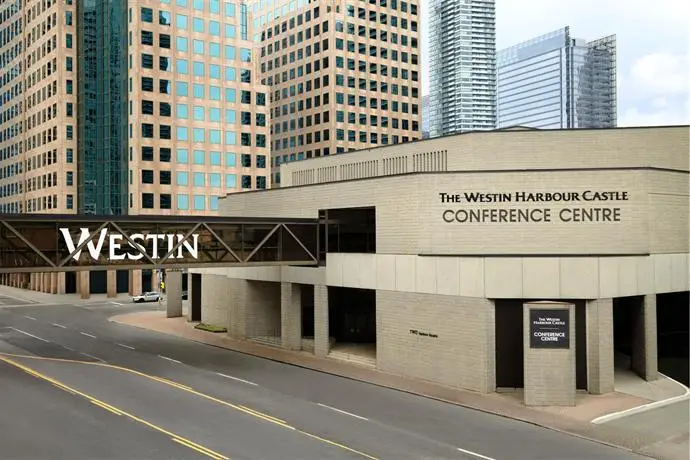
(62,243)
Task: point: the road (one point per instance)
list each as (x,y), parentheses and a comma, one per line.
(75,385)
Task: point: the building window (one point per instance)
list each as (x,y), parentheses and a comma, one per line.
(147,130)
(147,200)
(69,179)
(146,153)
(165,201)
(183,202)
(199,202)
(146,14)
(69,202)
(182,178)
(246,182)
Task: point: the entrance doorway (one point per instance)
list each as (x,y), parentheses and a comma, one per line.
(352,323)
(195,301)
(673,340)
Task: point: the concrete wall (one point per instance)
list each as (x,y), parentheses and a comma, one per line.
(215,299)
(463,354)
(512,277)
(263,309)
(661,147)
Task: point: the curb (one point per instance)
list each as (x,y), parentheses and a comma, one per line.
(402,390)
(645,407)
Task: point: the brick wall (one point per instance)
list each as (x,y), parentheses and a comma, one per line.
(215,301)
(462,356)
(262,309)
(549,373)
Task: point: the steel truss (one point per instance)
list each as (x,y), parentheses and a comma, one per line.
(36,243)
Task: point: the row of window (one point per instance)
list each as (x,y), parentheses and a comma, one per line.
(198,46)
(198,91)
(199,179)
(201,113)
(199,135)
(200,157)
(199,68)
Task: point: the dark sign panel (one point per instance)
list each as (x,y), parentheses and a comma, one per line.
(549,328)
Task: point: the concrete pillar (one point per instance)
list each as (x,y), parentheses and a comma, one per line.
(549,358)
(173,289)
(61,283)
(291,316)
(135,282)
(644,352)
(84,284)
(600,367)
(47,286)
(111,282)
(322,343)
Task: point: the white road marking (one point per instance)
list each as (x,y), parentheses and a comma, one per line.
(29,317)
(170,359)
(30,335)
(115,303)
(474,454)
(59,325)
(88,335)
(343,412)
(125,346)
(238,379)
(92,356)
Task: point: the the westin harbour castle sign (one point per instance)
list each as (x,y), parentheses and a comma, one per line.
(533,207)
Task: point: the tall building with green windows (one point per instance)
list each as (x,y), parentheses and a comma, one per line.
(113,107)
(129,106)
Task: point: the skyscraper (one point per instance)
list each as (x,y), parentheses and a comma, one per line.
(462,52)
(557,81)
(343,75)
(129,106)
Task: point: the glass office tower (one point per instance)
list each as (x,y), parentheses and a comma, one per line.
(102,107)
(462,57)
(556,81)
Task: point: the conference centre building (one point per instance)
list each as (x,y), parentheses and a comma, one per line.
(457,260)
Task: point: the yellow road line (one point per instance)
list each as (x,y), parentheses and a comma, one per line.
(169,382)
(198,448)
(266,416)
(240,408)
(105,406)
(108,406)
(333,443)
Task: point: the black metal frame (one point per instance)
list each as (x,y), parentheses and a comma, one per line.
(33,242)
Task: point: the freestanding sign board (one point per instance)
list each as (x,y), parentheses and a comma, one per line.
(549,355)
(549,328)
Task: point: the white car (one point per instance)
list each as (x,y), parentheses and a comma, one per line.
(146,297)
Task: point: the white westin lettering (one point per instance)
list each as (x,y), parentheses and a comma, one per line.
(116,240)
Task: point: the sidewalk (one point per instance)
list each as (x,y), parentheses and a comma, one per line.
(573,420)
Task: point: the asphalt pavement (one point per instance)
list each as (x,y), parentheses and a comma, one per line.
(232,405)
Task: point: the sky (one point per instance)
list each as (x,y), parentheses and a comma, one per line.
(653,46)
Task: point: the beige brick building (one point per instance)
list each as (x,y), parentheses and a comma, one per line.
(429,250)
(343,75)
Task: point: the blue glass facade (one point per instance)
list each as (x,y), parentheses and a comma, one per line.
(102,102)
(555,81)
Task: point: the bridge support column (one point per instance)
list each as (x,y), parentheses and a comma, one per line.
(47,283)
(322,343)
(291,316)
(111,283)
(84,284)
(53,283)
(173,290)
(135,282)
(39,282)
(60,283)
